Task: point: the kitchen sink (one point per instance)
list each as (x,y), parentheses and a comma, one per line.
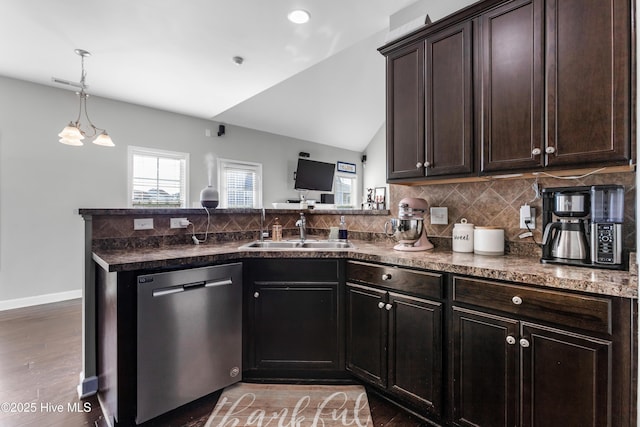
(297,244)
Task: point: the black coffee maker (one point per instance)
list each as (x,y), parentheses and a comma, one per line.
(583,225)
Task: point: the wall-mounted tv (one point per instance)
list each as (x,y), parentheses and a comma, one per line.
(313,175)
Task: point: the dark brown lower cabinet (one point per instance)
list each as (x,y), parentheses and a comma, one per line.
(561,378)
(484,369)
(394,341)
(532,357)
(565,378)
(293,317)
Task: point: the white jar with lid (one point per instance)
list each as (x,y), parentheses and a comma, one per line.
(489,241)
(462,236)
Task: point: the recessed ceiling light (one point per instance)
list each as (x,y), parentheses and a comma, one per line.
(298,16)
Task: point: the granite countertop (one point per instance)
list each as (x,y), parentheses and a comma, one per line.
(526,270)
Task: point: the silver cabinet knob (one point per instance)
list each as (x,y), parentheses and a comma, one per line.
(524,342)
(380,304)
(511,340)
(418,165)
(536,151)
(427,164)
(516,300)
(388,307)
(550,150)
(386,276)
(256,294)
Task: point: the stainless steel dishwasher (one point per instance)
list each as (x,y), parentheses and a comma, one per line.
(189,336)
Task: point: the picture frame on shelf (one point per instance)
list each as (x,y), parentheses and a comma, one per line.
(380,198)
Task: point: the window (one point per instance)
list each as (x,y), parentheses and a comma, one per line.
(157,178)
(240,184)
(345,189)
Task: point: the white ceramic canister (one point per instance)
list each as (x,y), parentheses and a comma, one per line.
(488,241)
(462,236)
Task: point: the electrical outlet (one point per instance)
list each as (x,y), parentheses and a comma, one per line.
(527,213)
(143,224)
(179,222)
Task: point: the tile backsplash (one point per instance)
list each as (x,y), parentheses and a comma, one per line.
(497,202)
(493,202)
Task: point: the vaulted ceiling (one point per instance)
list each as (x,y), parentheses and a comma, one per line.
(322,81)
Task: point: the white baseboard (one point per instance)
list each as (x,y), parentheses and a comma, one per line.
(39,299)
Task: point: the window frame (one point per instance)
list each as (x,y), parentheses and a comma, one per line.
(159,153)
(354,192)
(223,164)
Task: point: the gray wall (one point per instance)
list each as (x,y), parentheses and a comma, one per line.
(375,172)
(43,183)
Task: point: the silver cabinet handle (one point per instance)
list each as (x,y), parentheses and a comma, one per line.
(550,150)
(386,276)
(524,343)
(388,307)
(427,164)
(418,165)
(536,151)
(511,340)
(380,304)
(516,300)
(256,294)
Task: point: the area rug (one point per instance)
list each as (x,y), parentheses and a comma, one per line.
(283,405)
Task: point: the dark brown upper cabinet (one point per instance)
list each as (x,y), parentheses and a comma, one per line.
(511,87)
(449,102)
(588,62)
(501,86)
(405,112)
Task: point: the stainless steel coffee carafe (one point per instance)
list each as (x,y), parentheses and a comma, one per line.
(568,240)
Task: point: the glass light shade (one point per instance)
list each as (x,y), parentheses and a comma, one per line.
(299,16)
(104,139)
(70,131)
(71,141)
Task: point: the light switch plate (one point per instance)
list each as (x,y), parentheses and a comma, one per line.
(143,224)
(439,216)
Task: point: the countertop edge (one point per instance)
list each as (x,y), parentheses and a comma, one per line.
(515,269)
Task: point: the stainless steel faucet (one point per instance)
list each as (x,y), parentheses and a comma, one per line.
(302,224)
(262,220)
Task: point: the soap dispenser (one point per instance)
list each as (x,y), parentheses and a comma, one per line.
(276,231)
(342,229)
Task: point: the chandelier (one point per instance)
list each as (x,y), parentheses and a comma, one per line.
(73,134)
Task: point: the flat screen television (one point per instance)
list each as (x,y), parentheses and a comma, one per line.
(313,175)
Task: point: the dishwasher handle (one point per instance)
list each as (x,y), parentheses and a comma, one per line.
(214,283)
(191,286)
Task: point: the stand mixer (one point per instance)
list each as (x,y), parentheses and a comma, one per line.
(408,228)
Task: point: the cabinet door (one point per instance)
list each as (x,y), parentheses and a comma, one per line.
(588,88)
(566,379)
(449,102)
(405,112)
(367,333)
(511,86)
(296,326)
(484,369)
(415,350)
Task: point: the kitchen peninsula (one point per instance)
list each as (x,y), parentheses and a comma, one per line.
(574,317)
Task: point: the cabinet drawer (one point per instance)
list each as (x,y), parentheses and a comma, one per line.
(294,270)
(415,282)
(578,311)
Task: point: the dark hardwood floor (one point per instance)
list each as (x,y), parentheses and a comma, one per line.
(40,363)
